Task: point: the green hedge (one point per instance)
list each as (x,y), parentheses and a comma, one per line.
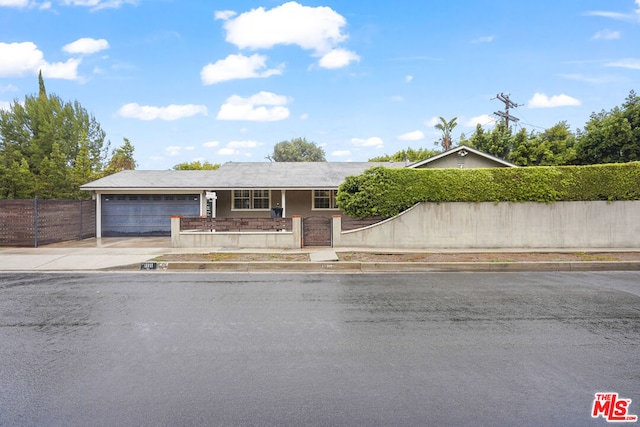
(386,192)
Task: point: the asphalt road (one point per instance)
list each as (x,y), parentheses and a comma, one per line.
(169,349)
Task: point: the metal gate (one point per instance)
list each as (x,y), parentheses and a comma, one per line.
(316,231)
(145,214)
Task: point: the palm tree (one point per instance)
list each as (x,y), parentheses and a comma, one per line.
(446,127)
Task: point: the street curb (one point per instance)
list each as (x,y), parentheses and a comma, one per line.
(390,267)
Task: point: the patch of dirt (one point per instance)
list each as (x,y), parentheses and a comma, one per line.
(410,257)
(233,257)
(490,257)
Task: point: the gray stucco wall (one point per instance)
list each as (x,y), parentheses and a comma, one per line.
(298,202)
(470,161)
(502,225)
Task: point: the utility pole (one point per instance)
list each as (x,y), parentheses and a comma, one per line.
(507,104)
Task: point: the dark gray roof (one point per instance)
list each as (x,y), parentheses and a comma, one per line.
(291,175)
(276,175)
(145,179)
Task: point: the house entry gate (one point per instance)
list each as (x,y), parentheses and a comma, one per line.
(316,231)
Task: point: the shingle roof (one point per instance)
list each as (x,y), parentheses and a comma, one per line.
(291,175)
(276,175)
(145,179)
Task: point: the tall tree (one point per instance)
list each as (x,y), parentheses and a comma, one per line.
(410,154)
(611,137)
(554,146)
(121,159)
(196,165)
(297,150)
(446,127)
(499,142)
(29,131)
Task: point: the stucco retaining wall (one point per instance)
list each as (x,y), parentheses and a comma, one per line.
(502,225)
(245,239)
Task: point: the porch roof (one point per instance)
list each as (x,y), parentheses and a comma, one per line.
(242,175)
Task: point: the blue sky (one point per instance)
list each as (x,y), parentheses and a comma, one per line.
(226,80)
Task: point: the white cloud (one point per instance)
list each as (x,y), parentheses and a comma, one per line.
(261,107)
(227,152)
(14,3)
(62,70)
(313,28)
(374,141)
(5,105)
(631,63)
(341,153)
(481,120)
(337,58)
(416,135)
(239,148)
(432,122)
(224,14)
(408,79)
(631,17)
(590,79)
(173,150)
(485,39)
(540,100)
(243,144)
(19,59)
(8,88)
(318,29)
(176,150)
(606,35)
(86,46)
(211,144)
(171,112)
(237,67)
(96,5)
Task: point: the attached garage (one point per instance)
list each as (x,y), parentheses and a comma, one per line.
(139,215)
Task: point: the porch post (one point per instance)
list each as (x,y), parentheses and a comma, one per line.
(203,203)
(283,202)
(98,197)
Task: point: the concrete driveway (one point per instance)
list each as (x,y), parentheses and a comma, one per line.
(88,254)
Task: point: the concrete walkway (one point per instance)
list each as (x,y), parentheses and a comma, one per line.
(130,253)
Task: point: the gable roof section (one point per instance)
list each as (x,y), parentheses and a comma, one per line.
(460,148)
(242,175)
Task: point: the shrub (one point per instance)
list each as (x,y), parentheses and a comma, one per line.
(386,192)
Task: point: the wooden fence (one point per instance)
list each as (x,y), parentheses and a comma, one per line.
(40,222)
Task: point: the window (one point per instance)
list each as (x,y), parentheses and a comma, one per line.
(251,199)
(260,199)
(325,199)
